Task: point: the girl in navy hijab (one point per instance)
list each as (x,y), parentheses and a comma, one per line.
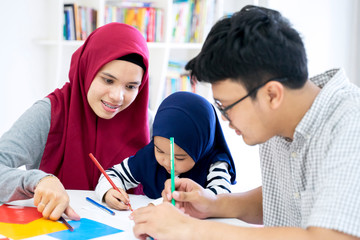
(200,153)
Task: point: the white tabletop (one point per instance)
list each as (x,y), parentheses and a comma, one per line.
(121,218)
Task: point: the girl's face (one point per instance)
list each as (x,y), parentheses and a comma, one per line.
(182,161)
(114,88)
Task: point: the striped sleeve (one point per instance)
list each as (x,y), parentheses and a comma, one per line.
(120,174)
(218,179)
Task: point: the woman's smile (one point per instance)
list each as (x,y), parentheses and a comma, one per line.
(110,107)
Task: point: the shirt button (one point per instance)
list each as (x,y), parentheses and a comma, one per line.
(296,195)
(293,154)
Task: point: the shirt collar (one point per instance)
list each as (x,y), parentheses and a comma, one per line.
(330,82)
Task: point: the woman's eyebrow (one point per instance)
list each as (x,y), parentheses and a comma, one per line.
(135,83)
(109,75)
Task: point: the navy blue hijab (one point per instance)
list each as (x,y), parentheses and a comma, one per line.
(193,123)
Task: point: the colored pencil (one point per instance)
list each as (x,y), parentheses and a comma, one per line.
(107,176)
(172,168)
(100,206)
(62,219)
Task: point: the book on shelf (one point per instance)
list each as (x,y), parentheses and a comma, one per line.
(79,21)
(129,4)
(192,19)
(141,15)
(69,28)
(177,79)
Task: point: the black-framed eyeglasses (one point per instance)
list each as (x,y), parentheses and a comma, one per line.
(224,110)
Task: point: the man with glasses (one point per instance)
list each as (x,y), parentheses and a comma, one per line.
(308,131)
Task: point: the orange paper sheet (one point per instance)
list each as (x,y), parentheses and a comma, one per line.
(34,228)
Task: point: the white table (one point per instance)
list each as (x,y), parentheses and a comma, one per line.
(121,218)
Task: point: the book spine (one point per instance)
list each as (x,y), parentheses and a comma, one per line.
(151,25)
(148,20)
(66,24)
(77,21)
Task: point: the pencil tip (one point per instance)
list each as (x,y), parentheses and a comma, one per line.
(129,205)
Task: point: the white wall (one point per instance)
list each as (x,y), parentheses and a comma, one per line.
(22,60)
(327,27)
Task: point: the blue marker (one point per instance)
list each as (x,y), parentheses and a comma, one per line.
(100,206)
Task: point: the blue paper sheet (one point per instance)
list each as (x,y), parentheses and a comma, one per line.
(85,229)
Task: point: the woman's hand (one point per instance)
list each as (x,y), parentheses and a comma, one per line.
(117,200)
(190,197)
(52,200)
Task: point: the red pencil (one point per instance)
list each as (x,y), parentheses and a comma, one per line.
(107,176)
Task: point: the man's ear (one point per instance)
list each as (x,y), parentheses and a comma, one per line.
(274,94)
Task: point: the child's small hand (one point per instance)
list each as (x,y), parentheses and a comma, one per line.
(117,200)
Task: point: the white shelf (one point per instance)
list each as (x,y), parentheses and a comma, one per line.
(160,52)
(57,43)
(78,43)
(151,45)
(185,46)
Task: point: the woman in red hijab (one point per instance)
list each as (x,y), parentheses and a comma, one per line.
(101,110)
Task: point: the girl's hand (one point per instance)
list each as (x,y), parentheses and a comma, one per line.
(117,200)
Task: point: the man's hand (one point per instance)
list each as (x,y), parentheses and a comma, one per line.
(161,222)
(190,197)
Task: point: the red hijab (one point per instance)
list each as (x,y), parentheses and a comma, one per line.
(76,131)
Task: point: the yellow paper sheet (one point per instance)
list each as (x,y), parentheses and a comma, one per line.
(34,228)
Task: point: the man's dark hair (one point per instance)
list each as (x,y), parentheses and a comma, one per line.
(252,46)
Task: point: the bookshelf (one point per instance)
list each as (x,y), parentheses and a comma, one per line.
(168,49)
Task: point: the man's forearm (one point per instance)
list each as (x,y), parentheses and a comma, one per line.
(214,230)
(246,206)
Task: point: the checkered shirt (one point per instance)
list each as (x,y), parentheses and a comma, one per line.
(315,179)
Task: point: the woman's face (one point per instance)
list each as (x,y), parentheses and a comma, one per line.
(114,88)
(182,161)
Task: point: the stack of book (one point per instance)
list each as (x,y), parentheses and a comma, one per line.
(177,79)
(192,19)
(79,22)
(141,15)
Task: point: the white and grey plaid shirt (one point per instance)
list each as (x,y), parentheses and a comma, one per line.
(315,179)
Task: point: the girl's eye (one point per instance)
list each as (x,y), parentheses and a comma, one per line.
(158,150)
(180,158)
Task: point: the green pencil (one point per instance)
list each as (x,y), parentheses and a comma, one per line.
(172,168)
